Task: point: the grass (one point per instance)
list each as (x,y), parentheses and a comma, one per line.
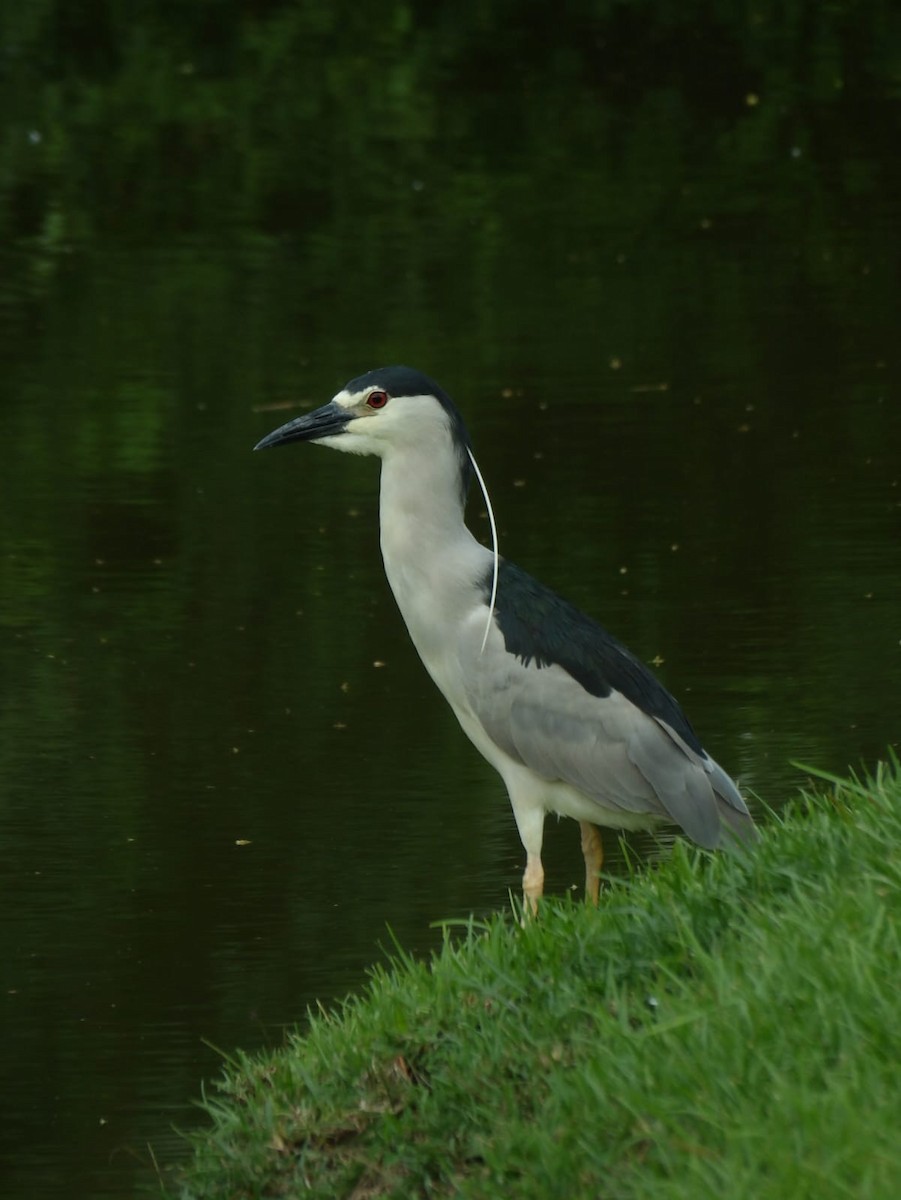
(722,1026)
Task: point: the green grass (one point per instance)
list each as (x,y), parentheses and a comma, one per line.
(722,1026)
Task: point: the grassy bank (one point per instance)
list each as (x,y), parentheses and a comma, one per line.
(720,1027)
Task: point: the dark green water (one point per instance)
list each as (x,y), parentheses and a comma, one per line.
(654,256)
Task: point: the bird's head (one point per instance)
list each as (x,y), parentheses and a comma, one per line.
(383,411)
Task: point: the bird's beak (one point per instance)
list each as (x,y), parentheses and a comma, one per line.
(327,421)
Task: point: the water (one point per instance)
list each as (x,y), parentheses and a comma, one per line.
(670,317)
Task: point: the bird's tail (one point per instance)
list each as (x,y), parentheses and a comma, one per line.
(736,824)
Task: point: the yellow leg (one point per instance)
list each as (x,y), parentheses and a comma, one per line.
(593,853)
(532,884)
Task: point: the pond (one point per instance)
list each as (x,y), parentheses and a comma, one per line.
(666,300)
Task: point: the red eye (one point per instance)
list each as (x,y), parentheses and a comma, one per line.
(377,399)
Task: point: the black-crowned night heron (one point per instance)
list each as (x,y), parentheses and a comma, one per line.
(572,721)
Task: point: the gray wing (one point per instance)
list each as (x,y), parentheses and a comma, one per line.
(606,747)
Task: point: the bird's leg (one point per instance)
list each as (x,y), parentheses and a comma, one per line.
(528,809)
(593,853)
(532,884)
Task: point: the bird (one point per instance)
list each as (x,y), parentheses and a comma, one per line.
(574,723)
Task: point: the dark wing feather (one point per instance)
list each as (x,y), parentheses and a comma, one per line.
(539,625)
(564,697)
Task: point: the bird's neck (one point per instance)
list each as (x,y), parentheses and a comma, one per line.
(432,561)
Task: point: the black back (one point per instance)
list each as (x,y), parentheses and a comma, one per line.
(540,626)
